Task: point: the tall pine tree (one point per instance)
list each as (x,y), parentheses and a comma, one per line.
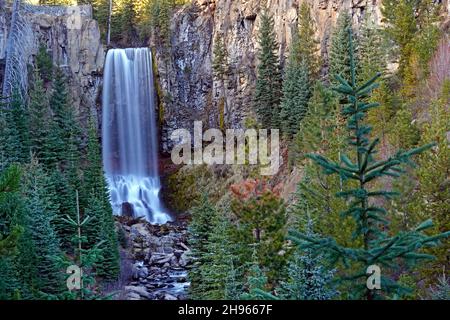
(339,61)
(39,246)
(268,83)
(98,207)
(305,46)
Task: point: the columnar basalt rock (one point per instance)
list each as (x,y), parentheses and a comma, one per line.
(76,47)
(186,75)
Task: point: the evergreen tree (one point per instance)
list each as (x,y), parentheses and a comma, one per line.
(94,179)
(305,45)
(322,131)
(13,131)
(40,122)
(220,68)
(308,278)
(84,258)
(339,61)
(268,83)
(123,21)
(256,284)
(261,221)
(296,94)
(160,12)
(411,27)
(11,208)
(20,119)
(101,226)
(66,206)
(442,290)
(65,128)
(322,126)
(371,55)
(200,230)
(101,13)
(39,246)
(9,138)
(44,64)
(428,194)
(406,134)
(379,248)
(401,26)
(220,256)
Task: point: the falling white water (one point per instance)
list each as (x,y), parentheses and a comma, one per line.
(130,144)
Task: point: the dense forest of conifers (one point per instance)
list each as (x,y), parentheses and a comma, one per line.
(52,186)
(371,142)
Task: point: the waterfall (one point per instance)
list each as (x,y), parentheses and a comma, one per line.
(130,144)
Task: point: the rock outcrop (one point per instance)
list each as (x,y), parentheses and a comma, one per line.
(72,39)
(185,69)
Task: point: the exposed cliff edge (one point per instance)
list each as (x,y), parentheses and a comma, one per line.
(185,69)
(76,48)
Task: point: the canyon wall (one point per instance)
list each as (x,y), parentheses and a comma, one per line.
(74,45)
(185,67)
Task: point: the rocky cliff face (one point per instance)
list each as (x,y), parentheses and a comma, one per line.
(186,70)
(73,42)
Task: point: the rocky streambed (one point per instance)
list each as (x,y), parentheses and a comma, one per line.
(158,256)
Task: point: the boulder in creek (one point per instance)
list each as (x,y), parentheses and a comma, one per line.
(168,296)
(139,230)
(139,270)
(141,291)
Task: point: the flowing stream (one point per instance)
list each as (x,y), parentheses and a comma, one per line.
(130,135)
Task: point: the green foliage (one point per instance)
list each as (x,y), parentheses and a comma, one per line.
(160,12)
(260,227)
(200,230)
(410,26)
(308,277)
(101,12)
(304,45)
(11,207)
(296,94)
(66,200)
(379,248)
(220,64)
(96,200)
(44,63)
(442,290)
(406,134)
(429,192)
(322,125)
(66,127)
(371,53)
(256,284)
(40,122)
(14,142)
(85,259)
(323,131)
(215,264)
(339,61)
(39,247)
(268,83)
(34,238)
(221,68)
(123,21)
